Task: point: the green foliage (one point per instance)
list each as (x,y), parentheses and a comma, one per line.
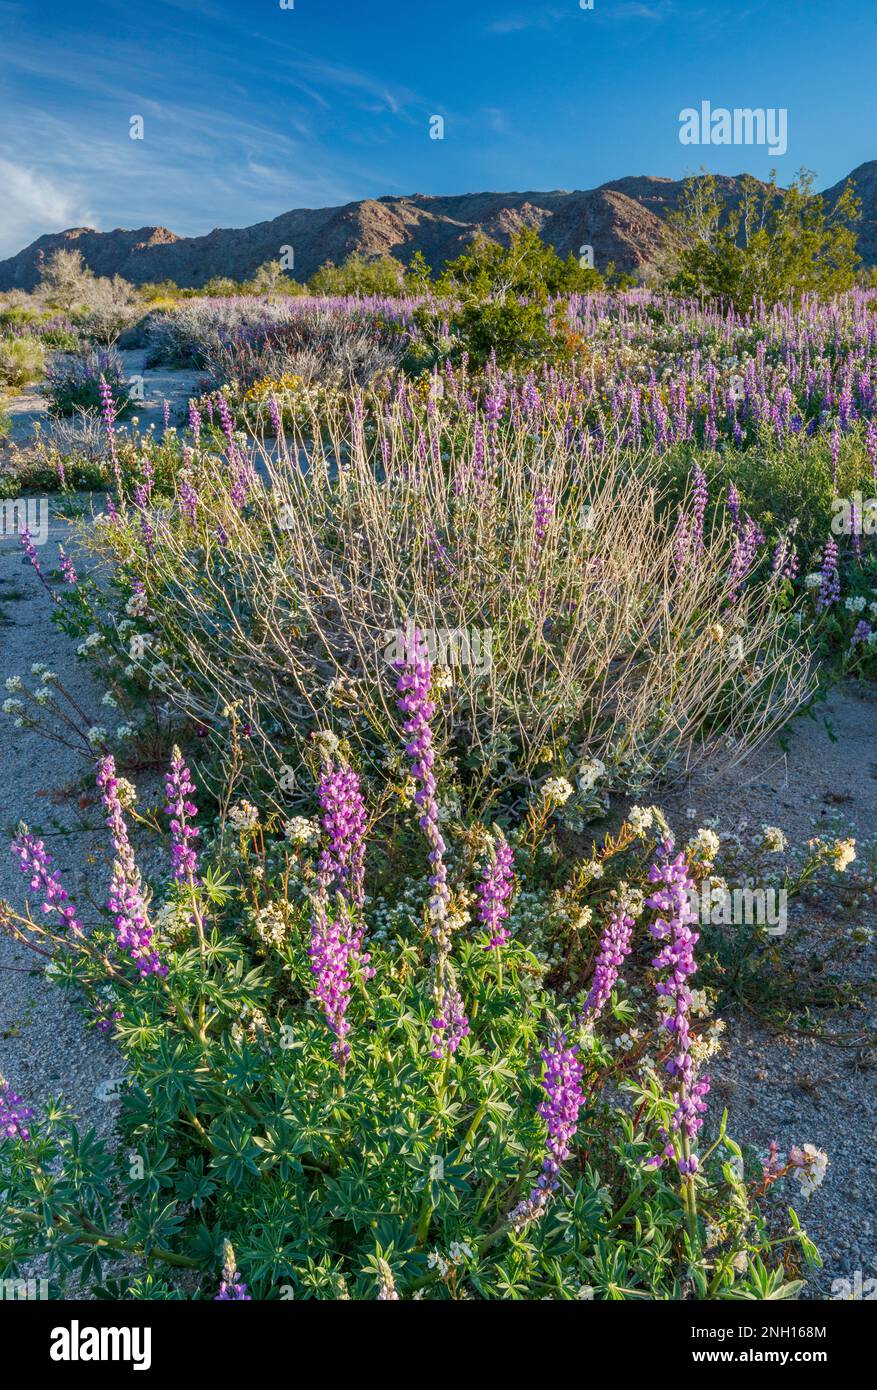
(495,299)
(22,360)
(360,275)
(73,383)
(397,1171)
(773,244)
(527,267)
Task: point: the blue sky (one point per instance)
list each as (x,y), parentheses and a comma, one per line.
(250,109)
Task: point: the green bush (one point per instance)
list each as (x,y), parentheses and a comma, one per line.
(301,1132)
(73,383)
(22,360)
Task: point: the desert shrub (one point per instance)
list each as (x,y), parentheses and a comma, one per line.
(492,301)
(65,280)
(5,423)
(109,307)
(73,382)
(772,244)
(58,333)
(22,360)
(544,570)
(100,306)
(15,317)
(360,275)
(308,344)
(325,1101)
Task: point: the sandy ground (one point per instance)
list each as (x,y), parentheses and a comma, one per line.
(45,1048)
(159,384)
(790,1087)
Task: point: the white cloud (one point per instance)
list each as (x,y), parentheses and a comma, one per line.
(33,204)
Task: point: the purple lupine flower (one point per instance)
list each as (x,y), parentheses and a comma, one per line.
(178,788)
(734,506)
(14,1114)
(543,512)
(415,676)
(188,491)
(562,1084)
(330,965)
(412,686)
(861,634)
(672,900)
(495,890)
(829,589)
(276,417)
(785,558)
(108,405)
(700,497)
(108,411)
(232,1287)
(195,422)
(343,820)
(614,946)
(66,565)
(106,1017)
(744,556)
(29,549)
(342,861)
(125,899)
(450,1025)
(166,411)
(34,859)
(225,419)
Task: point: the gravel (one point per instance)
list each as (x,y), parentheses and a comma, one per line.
(784,1086)
(45,1047)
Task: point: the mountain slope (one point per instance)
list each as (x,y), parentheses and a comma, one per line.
(622,220)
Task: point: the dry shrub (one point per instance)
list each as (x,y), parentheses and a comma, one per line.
(599,646)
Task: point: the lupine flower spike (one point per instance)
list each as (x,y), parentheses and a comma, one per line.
(232,1287)
(450,1024)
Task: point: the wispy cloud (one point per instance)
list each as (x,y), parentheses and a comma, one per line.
(34,204)
(602,13)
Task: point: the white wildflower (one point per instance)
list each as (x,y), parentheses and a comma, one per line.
(640,819)
(774,839)
(589,774)
(842,854)
(243,815)
(810,1167)
(557,789)
(301,831)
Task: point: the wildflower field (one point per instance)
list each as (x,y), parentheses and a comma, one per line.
(398,644)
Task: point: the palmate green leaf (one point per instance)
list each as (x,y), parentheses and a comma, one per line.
(281,1148)
(235,1153)
(158,1167)
(155,1223)
(193,1185)
(243,1069)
